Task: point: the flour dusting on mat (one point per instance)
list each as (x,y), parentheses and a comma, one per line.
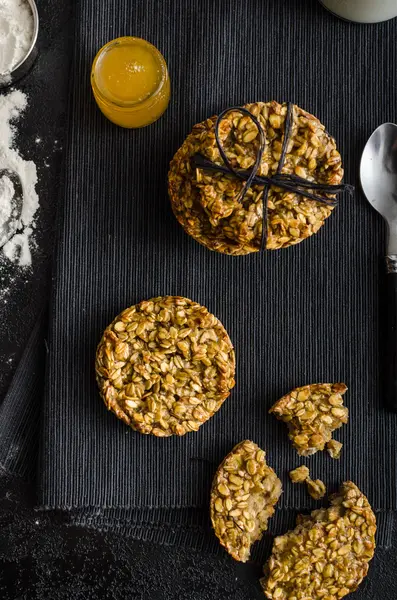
(18,248)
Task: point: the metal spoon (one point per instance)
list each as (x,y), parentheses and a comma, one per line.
(378,174)
(13,223)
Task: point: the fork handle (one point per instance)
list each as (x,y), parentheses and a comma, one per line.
(390,366)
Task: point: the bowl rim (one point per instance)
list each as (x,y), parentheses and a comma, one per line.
(35,14)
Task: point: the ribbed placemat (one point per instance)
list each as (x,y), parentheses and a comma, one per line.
(310,313)
(20,410)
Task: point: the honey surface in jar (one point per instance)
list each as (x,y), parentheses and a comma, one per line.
(130,82)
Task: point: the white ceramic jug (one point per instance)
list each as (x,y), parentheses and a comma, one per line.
(363,11)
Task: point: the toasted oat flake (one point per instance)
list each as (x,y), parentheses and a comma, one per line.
(326,556)
(334,448)
(244,492)
(312,413)
(316,488)
(206,202)
(165,366)
(300,474)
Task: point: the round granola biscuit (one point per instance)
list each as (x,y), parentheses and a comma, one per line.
(326,556)
(165,366)
(206,202)
(244,492)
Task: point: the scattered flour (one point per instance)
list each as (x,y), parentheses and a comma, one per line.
(18,248)
(7,192)
(16,33)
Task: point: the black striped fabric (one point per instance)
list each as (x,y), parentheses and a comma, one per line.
(310,313)
(20,410)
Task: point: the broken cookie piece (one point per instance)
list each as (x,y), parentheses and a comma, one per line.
(244,492)
(326,556)
(312,413)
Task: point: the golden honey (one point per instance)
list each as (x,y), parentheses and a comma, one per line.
(130,82)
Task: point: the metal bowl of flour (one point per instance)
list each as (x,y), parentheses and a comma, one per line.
(24,65)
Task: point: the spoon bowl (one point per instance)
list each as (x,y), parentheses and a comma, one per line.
(11,225)
(378,175)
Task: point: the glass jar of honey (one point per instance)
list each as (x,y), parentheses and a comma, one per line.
(130,82)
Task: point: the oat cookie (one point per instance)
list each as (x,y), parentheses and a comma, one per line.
(206,202)
(326,556)
(312,413)
(165,366)
(244,492)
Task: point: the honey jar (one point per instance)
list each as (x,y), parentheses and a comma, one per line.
(130,82)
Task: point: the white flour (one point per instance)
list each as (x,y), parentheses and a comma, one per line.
(7,192)
(16,32)
(18,248)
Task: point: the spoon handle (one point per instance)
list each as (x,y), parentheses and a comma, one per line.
(391,334)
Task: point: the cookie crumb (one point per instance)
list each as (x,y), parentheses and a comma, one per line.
(316,488)
(300,474)
(334,448)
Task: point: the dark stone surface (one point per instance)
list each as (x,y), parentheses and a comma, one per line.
(40,557)
(45,560)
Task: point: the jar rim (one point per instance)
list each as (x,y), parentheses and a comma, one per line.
(131,105)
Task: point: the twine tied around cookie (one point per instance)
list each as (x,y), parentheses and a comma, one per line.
(288,181)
